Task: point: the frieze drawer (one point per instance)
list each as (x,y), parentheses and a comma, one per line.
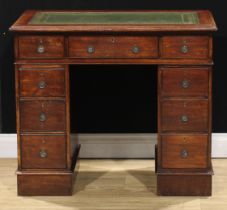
(106,46)
(196,47)
(41,46)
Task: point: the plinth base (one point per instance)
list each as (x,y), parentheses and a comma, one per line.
(184,185)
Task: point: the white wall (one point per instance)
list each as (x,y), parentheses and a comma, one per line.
(114,145)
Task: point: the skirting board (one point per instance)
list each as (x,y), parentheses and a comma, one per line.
(114,145)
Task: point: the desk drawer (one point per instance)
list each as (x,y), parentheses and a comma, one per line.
(42,115)
(184,115)
(113,46)
(196,47)
(30,46)
(40,151)
(40,80)
(185,82)
(184,151)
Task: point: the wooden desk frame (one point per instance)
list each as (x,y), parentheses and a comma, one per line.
(183,53)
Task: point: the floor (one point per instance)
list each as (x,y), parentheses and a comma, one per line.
(113,185)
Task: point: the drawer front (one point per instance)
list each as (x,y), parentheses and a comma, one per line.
(184,115)
(113,47)
(196,47)
(185,82)
(40,151)
(184,151)
(42,115)
(42,80)
(41,46)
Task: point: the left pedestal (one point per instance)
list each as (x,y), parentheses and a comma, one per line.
(45,159)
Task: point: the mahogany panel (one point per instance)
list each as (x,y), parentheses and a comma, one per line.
(42,115)
(113,46)
(184,185)
(45,184)
(185,47)
(41,46)
(184,115)
(184,151)
(185,82)
(43,151)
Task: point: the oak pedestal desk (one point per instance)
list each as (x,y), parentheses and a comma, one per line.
(179,42)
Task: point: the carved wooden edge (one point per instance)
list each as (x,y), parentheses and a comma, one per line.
(156,61)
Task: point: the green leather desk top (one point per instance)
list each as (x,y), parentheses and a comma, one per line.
(70,18)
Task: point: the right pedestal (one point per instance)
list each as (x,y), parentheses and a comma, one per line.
(183,152)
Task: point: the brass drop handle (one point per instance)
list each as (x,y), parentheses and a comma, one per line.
(42,117)
(185,84)
(135,49)
(40,48)
(42,153)
(184,49)
(184,118)
(42,84)
(90,49)
(184,153)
